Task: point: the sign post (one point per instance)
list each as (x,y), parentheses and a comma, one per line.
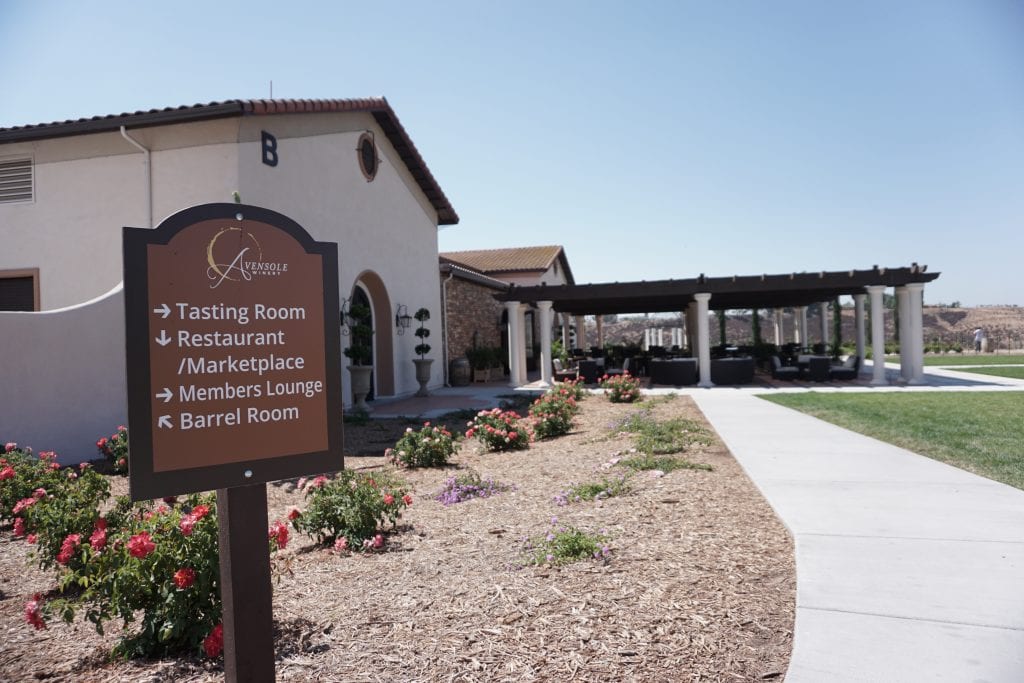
(234,380)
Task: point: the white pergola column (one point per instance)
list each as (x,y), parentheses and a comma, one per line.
(804,340)
(684,330)
(515,325)
(825,337)
(545,342)
(599,319)
(858,324)
(581,333)
(522,342)
(877,334)
(906,352)
(915,328)
(703,343)
(779,335)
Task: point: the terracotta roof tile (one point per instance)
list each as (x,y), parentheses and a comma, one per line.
(511,260)
(377,106)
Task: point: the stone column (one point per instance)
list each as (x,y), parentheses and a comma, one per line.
(514,327)
(779,333)
(825,336)
(545,342)
(599,319)
(877,334)
(858,323)
(906,344)
(703,343)
(915,329)
(684,330)
(565,331)
(581,333)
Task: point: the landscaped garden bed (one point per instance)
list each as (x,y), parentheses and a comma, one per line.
(690,575)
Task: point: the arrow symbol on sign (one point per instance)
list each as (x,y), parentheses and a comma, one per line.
(165,422)
(165,395)
(164,310)
(163,339)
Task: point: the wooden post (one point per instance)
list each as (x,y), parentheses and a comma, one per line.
(245,584)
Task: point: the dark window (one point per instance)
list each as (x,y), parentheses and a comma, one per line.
(17,294)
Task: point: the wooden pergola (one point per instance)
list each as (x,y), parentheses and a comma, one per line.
(694,297)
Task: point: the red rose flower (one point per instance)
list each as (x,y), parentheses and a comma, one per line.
(67,548)
(294,514)
(140,545)
(279,532)
(7,473)
(388,499)
(184,577)
(214,643)
(32,613)
(407,499)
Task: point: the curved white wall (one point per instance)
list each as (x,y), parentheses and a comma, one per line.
(62,379)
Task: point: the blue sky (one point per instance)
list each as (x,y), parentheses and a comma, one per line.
(651,139)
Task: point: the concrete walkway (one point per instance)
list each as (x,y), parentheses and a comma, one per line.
(907,569)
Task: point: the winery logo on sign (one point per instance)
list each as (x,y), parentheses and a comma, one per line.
(235,254)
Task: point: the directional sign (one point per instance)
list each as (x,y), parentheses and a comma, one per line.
(233,351)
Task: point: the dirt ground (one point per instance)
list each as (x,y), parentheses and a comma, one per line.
(700,585)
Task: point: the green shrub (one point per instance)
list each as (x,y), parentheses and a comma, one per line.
(429,447)
(663,463)
(670,436)
(352,509)
(553,414)
(499,430)
(607,487)
(159,566)
(115,449)
(22,475)
(70,508)
(565,545)
(622,388)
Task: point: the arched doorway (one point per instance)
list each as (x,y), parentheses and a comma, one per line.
(370,288)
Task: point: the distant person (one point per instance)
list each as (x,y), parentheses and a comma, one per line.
(979,337)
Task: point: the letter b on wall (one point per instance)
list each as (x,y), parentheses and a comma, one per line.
(269,148)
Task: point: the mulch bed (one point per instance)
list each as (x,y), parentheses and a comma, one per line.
(700,584)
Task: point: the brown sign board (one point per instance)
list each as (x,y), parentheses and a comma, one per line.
(233,351)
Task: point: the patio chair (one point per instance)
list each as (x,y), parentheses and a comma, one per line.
(818,368)
(624,370)
(563,374)
(848,370)
(590,371)
(786,372)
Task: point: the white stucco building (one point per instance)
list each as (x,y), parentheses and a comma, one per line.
(346,170)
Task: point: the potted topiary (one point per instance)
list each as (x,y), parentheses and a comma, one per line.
(360,353)
(423,348)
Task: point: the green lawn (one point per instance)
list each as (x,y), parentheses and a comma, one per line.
(1014,371)
(981,432)
(966,359)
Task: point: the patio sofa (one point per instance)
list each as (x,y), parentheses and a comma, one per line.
(732,370)
(677,372)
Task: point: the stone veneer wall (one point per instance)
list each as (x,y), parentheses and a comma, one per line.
(471,308)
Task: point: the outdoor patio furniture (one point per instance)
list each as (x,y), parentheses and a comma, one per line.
(563,374)
(848,370)
(818,368)
(619,371)
(732,370)
(678,372)
(589,371)
(786,372)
